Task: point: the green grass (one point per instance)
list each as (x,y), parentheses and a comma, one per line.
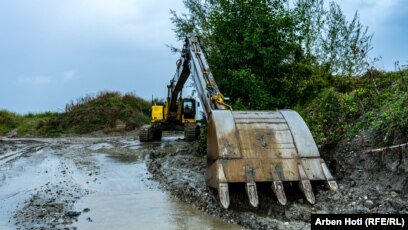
(24,124)
(8,121)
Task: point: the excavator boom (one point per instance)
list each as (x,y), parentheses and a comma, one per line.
(251,146)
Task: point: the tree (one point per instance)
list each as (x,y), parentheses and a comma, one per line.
(249,45)
(339,45)
(266,55)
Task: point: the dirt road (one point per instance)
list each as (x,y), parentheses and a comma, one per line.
(87,183)
(117,182)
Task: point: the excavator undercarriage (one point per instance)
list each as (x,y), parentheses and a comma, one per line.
(154,132)
(247,146)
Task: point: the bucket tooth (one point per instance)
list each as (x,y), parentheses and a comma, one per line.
(277,186)
(305,185)
(306,188)
(251,187)
(224,194)
(330,182)
(252,193)
(223,191)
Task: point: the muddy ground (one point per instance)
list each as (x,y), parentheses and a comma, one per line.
(88,183)
(373,182)
(84,183)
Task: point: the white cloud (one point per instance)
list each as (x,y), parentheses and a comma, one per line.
(68,75)
(35,80)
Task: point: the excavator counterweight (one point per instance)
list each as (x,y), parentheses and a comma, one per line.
(251,146)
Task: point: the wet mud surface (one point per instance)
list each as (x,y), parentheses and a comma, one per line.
(88,183)
(119,183)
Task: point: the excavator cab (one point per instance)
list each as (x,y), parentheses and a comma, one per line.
(189,110)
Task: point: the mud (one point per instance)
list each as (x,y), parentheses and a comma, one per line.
(369,183)
(87,183)
(117,182)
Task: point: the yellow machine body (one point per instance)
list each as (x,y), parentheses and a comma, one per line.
(157,113)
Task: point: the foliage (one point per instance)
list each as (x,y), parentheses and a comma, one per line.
(340,45)
(376,102)
(96,113)
(277,55)
(86,115)
(23,124)
(202,141)
(8,121)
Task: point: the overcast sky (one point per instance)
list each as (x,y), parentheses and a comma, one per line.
(52,52)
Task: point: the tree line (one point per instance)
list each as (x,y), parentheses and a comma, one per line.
(268,54)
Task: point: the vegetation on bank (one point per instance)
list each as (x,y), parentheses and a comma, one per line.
(108,111)
(22,124)
(375,103)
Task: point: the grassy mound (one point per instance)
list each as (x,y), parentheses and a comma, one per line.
(107,111)
(376,103)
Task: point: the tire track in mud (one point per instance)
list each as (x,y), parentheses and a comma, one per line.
(15,154)
(47,201)
(63,183)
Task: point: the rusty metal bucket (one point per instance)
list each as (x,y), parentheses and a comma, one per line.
(262,146)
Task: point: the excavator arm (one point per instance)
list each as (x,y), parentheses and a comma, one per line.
(193,62)
(250,146)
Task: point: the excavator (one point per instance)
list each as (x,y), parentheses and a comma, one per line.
(242,146)
(176,114)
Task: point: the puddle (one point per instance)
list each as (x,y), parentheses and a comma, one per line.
(142,210)
(126,198)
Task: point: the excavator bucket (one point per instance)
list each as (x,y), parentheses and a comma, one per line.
(263,146)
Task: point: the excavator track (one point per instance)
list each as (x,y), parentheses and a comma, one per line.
(146,133)
(190,132)
(150,133)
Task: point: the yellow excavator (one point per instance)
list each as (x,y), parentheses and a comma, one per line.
(243,146)
(176,114)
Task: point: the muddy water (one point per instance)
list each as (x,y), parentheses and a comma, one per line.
(119,193)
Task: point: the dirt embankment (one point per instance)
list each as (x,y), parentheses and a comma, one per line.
(368,182)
